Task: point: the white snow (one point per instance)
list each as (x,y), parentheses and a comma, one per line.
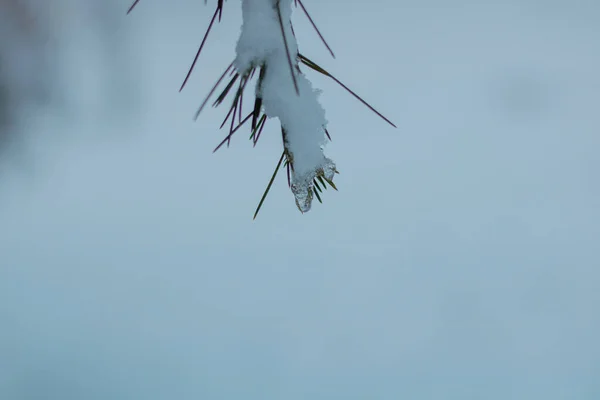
(261,33)
(301,115)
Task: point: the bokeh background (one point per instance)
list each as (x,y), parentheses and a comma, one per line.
(459,260)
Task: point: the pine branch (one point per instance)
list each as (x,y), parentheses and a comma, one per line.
(258,116)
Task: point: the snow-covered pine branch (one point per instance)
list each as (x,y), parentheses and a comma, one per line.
(267,41)
(267,45)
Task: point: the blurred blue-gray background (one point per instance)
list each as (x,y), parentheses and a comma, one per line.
(459,260)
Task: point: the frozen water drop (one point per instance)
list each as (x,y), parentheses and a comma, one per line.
(303,192)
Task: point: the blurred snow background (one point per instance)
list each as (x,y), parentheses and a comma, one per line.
(458,261)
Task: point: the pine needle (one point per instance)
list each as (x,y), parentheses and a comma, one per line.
(212,21)
(287,49)
(314,26)
(317,68)
(264,196)
(212,91)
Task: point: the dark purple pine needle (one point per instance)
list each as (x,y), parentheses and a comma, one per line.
(258,99)
(292,28)
(133,6)
(317,68)
(212,91)
(212,21)
(256,113)
(287,49)
(254,131)
(315,26)
(241,105)
(220,7)
(235,106)
(226,118)
(262,124)
(225,91)
(232,132)
(243,84)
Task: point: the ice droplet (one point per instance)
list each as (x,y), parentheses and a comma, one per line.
(303,192)
(302,187)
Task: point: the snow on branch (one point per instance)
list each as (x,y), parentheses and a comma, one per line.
(267,45)
(267,42)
